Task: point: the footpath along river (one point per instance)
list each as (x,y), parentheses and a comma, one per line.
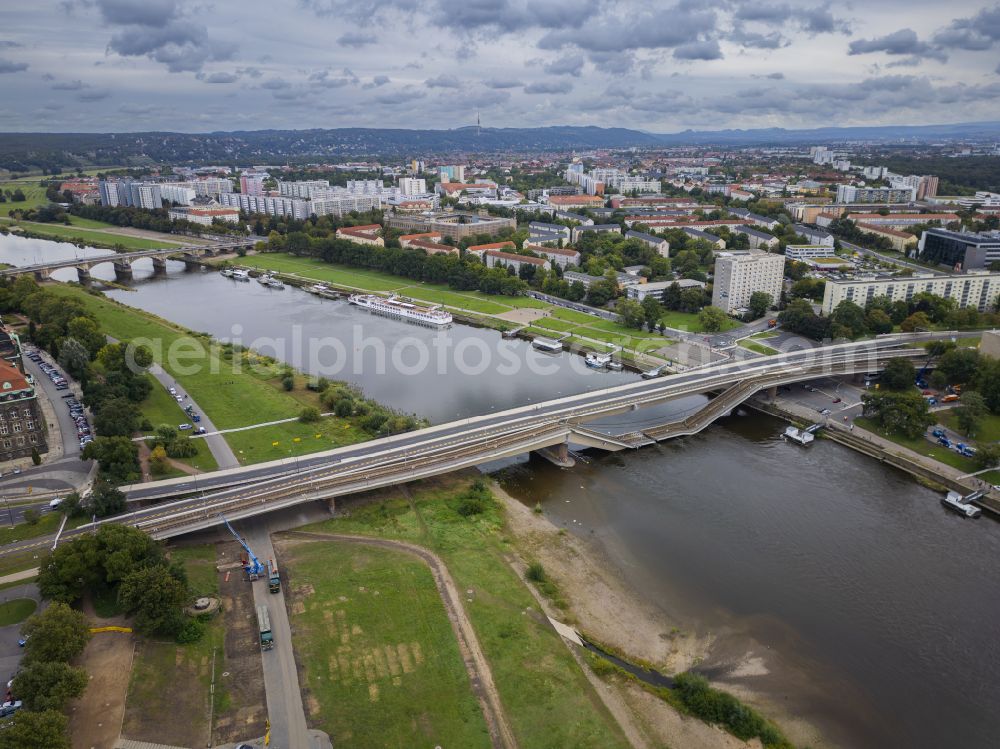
(874,611)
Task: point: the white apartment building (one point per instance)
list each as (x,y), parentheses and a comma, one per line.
(252,183)
(412,186)
(339,203)
(977,290)
(269,205)
(808,251)
(145,195)
(303,189)
(177,192)
(211,186)
(737,277)
(205,215)
(852,194)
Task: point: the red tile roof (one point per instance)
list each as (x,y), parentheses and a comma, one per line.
(491,246)
(11,379)
(518,258)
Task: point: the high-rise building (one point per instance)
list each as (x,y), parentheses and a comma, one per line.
(412,186)
(252,183)
(738,276)
(452,173)
(976,290)
(145,195)
(852,194)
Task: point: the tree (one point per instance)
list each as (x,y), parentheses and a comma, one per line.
(107,500)
(898,375)
(906,413)
(652,310)
(847,321)
(878,322)
(712,319)
(30,730)
(918,320)
(959,364)
(156,599)
(158,462)
(57,634)
(116,417)
(987,383)
(118,457)
(971,413)
(70,569)
(74,358)
(760,303)
(49,685)
(32,516)
(631,312)
(987,455)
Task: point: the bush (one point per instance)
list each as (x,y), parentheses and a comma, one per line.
(474,501)
(309,415)
(36,458)
(344,408)
(192,631)
(536,573)
(714,706)
(32,516)
(288,382)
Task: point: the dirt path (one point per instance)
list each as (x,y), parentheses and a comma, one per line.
(96,718)
(478,668)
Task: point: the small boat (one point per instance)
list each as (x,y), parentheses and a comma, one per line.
(957,503)
(597,361)
(274,283)
(318,288)
(263,279)
(617,366)
(548,345)
(226,272)
(240,275)
(799,436)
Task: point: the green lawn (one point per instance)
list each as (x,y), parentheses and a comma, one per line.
(161,408)
(16,611)
(96,238)
(571,315)
(34,193)
(357,278)
(930,449)
(758,348)
(554,323)
(231,397)
(377,651)
(688,321)
(89,223)
(48,523)
(547,698)
(989,427)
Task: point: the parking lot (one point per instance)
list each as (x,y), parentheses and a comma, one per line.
(77,413)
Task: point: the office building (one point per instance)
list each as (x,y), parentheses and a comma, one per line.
(658,289)
(976,290)
(814,235)
(808,251)
(959,250)
(738,277)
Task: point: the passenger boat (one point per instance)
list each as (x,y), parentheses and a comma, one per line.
(396,307)
(240,275)
(226,272)
(263,279)
(799,436)
(598,361)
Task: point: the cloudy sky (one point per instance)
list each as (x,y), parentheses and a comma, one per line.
(202,65)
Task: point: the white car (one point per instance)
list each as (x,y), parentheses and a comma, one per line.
(173,391)
(55,503)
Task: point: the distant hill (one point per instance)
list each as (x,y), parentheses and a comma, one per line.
(55,151)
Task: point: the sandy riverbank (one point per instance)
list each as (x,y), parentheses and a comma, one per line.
(607,607)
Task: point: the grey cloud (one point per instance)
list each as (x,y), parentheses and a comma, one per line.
(355,39)
(502,83)
(275,84)
(902,42)
(249,72)
(138,109)
(180,45)
(979,32)
(775,76)
(487,98)
(377,81)
(322,79)
(75,85)
(9,66)
(669,27)
(443,81)
(513,15)
(549,87)
(770,40)
(822,21)
(93,95)
(398,97)
(145,13)
(707,50)
(219,78)
(764,13)
(615,63)
(568,65)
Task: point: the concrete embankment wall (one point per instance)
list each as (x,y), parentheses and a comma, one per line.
(913,467)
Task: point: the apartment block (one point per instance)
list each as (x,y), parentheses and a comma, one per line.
(976,290)
(737,277)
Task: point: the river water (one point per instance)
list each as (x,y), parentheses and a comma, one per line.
(875,610)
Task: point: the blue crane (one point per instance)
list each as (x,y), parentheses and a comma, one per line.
(253,566)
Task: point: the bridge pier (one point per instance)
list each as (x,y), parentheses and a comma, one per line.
(159,266)
(557,454)
(772,392)
(83,273)
(42,275)
(123,271)
(191,263)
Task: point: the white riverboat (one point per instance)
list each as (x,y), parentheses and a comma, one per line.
(238,274)
(397,307)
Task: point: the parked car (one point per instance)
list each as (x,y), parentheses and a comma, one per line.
(182,427)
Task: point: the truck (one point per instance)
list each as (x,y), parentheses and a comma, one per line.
(949,398)
(264,628)
(273,579)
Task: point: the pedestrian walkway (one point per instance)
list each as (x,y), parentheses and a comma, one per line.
(16,577)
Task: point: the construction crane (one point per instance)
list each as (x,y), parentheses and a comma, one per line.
(252,565)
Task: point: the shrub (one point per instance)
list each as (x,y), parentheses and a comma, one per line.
(288,382)
(192,631)
(344,408)
(536,573)
(32,516)
(309,415)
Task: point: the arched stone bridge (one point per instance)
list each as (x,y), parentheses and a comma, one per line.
(190,255)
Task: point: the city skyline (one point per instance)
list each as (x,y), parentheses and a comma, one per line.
(113,65)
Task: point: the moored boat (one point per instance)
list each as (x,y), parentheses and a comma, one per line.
(397,307)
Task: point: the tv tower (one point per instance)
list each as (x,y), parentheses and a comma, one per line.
(479,125)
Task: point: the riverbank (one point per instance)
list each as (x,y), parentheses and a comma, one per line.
(604,605)
(90,237)
(236,387)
